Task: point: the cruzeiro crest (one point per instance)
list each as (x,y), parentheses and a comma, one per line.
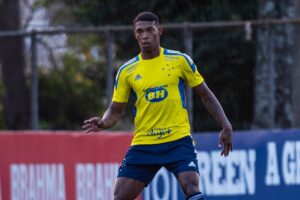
(156,94)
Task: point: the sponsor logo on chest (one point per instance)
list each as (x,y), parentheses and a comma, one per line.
(156,94)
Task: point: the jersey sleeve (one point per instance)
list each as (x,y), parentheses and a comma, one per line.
(122,88)
(190,73)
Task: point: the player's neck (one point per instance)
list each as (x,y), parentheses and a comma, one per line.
(151,54)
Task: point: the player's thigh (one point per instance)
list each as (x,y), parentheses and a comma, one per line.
(189,182)
(127,188)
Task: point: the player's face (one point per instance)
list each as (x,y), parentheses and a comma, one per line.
(147,34)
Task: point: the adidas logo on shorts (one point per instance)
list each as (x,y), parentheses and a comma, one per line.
(192,164)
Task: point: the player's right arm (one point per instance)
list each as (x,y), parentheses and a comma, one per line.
(115,110)
(109,119)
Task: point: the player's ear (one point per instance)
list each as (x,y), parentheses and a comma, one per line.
(161,30)
(133,32)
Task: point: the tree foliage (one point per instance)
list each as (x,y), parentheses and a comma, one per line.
(75,90)
(100,12)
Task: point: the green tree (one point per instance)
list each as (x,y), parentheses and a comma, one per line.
(75,90)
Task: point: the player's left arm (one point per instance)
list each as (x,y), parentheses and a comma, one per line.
(215,109)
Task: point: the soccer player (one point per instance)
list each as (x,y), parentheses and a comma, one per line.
(162,138)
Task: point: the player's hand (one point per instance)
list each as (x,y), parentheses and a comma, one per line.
(225,140)
(93,124)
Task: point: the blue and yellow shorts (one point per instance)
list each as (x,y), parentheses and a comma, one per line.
(142,162)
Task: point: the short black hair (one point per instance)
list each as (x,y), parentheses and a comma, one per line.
(146,16)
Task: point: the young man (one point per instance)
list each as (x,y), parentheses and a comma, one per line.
(162,132)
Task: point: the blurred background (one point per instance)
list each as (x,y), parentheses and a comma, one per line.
(58,59)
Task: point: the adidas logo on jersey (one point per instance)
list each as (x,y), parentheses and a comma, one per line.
(137,77)
(192,164)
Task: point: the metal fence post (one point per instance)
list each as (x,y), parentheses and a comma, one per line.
(188,48)
(34,84)
(110,69)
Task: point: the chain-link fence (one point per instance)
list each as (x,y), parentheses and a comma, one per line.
(252,67)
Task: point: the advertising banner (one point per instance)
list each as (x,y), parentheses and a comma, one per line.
(61,165)
(263,165)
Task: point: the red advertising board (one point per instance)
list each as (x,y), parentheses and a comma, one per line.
(74,166)
(60,165)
